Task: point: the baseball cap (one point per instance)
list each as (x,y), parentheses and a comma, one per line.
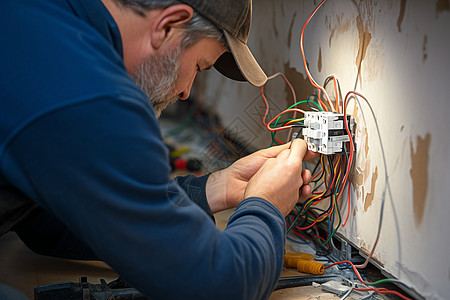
(234,17)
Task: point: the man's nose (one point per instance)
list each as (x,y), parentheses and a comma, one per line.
(185,93)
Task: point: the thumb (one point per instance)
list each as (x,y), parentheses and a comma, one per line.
(298,149)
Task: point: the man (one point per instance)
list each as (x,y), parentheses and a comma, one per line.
(81,140)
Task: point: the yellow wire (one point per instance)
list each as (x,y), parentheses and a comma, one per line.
(320,195)
(293,121)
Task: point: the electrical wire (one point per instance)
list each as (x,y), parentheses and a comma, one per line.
(311,79)
(383,198)
(266,103)
(337,90)
(333,175)
(348,292)
(378,290)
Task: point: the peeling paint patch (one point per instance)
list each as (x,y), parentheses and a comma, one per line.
(289,39)
(300,83)
(370,196)
(441,6)
(419,175)
(424,48)
(364,40)
(365,23)
(361,168)
(364,248)
(319,63)
(401,15)
(339,28)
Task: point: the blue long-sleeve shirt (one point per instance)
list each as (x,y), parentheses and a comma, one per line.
(80,139)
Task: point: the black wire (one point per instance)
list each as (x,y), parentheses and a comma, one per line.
(331,162)
(309,105)
(340,183)
(330,188)
(328,79)
(318,186)
(316,166)
(298,215)
(294,222)
(321,163)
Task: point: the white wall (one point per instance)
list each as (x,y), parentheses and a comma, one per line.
(402,47)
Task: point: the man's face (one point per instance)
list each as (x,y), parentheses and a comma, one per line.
(170,75)
(157,77)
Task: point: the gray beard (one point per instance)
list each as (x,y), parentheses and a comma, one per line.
(157,76)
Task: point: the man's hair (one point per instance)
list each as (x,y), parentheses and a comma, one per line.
(196,28)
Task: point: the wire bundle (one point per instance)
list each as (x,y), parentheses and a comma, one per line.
(330,175)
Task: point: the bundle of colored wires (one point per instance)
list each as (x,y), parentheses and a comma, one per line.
(330,176)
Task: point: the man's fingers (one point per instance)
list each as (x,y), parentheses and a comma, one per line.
(273,151)
(276,150)
(284,154)
(306,176)
(310,154)
(305,192)
(298,149)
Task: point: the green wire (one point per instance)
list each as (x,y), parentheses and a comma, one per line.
(339,215)
(304,101)
(295,104)
(381,281)
(278,119)
(274,141)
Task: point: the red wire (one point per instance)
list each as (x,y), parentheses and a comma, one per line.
(281,113)
(315,176)
(304,60)
(384,291)
(352,149)
(350,160)
(378,290)
(321,238)
(326,215)
(332,182)
(280,142)
(348,169)
(266,104)
(303,237)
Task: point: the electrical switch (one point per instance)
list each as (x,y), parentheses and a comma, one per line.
(325,132)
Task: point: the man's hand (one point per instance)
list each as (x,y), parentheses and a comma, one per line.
(280,179)
(226,188)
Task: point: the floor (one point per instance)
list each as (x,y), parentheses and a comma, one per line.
(23,269)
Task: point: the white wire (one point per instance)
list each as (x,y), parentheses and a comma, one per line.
(350,290)
(348,293)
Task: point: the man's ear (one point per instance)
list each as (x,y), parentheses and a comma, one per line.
(168,19)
